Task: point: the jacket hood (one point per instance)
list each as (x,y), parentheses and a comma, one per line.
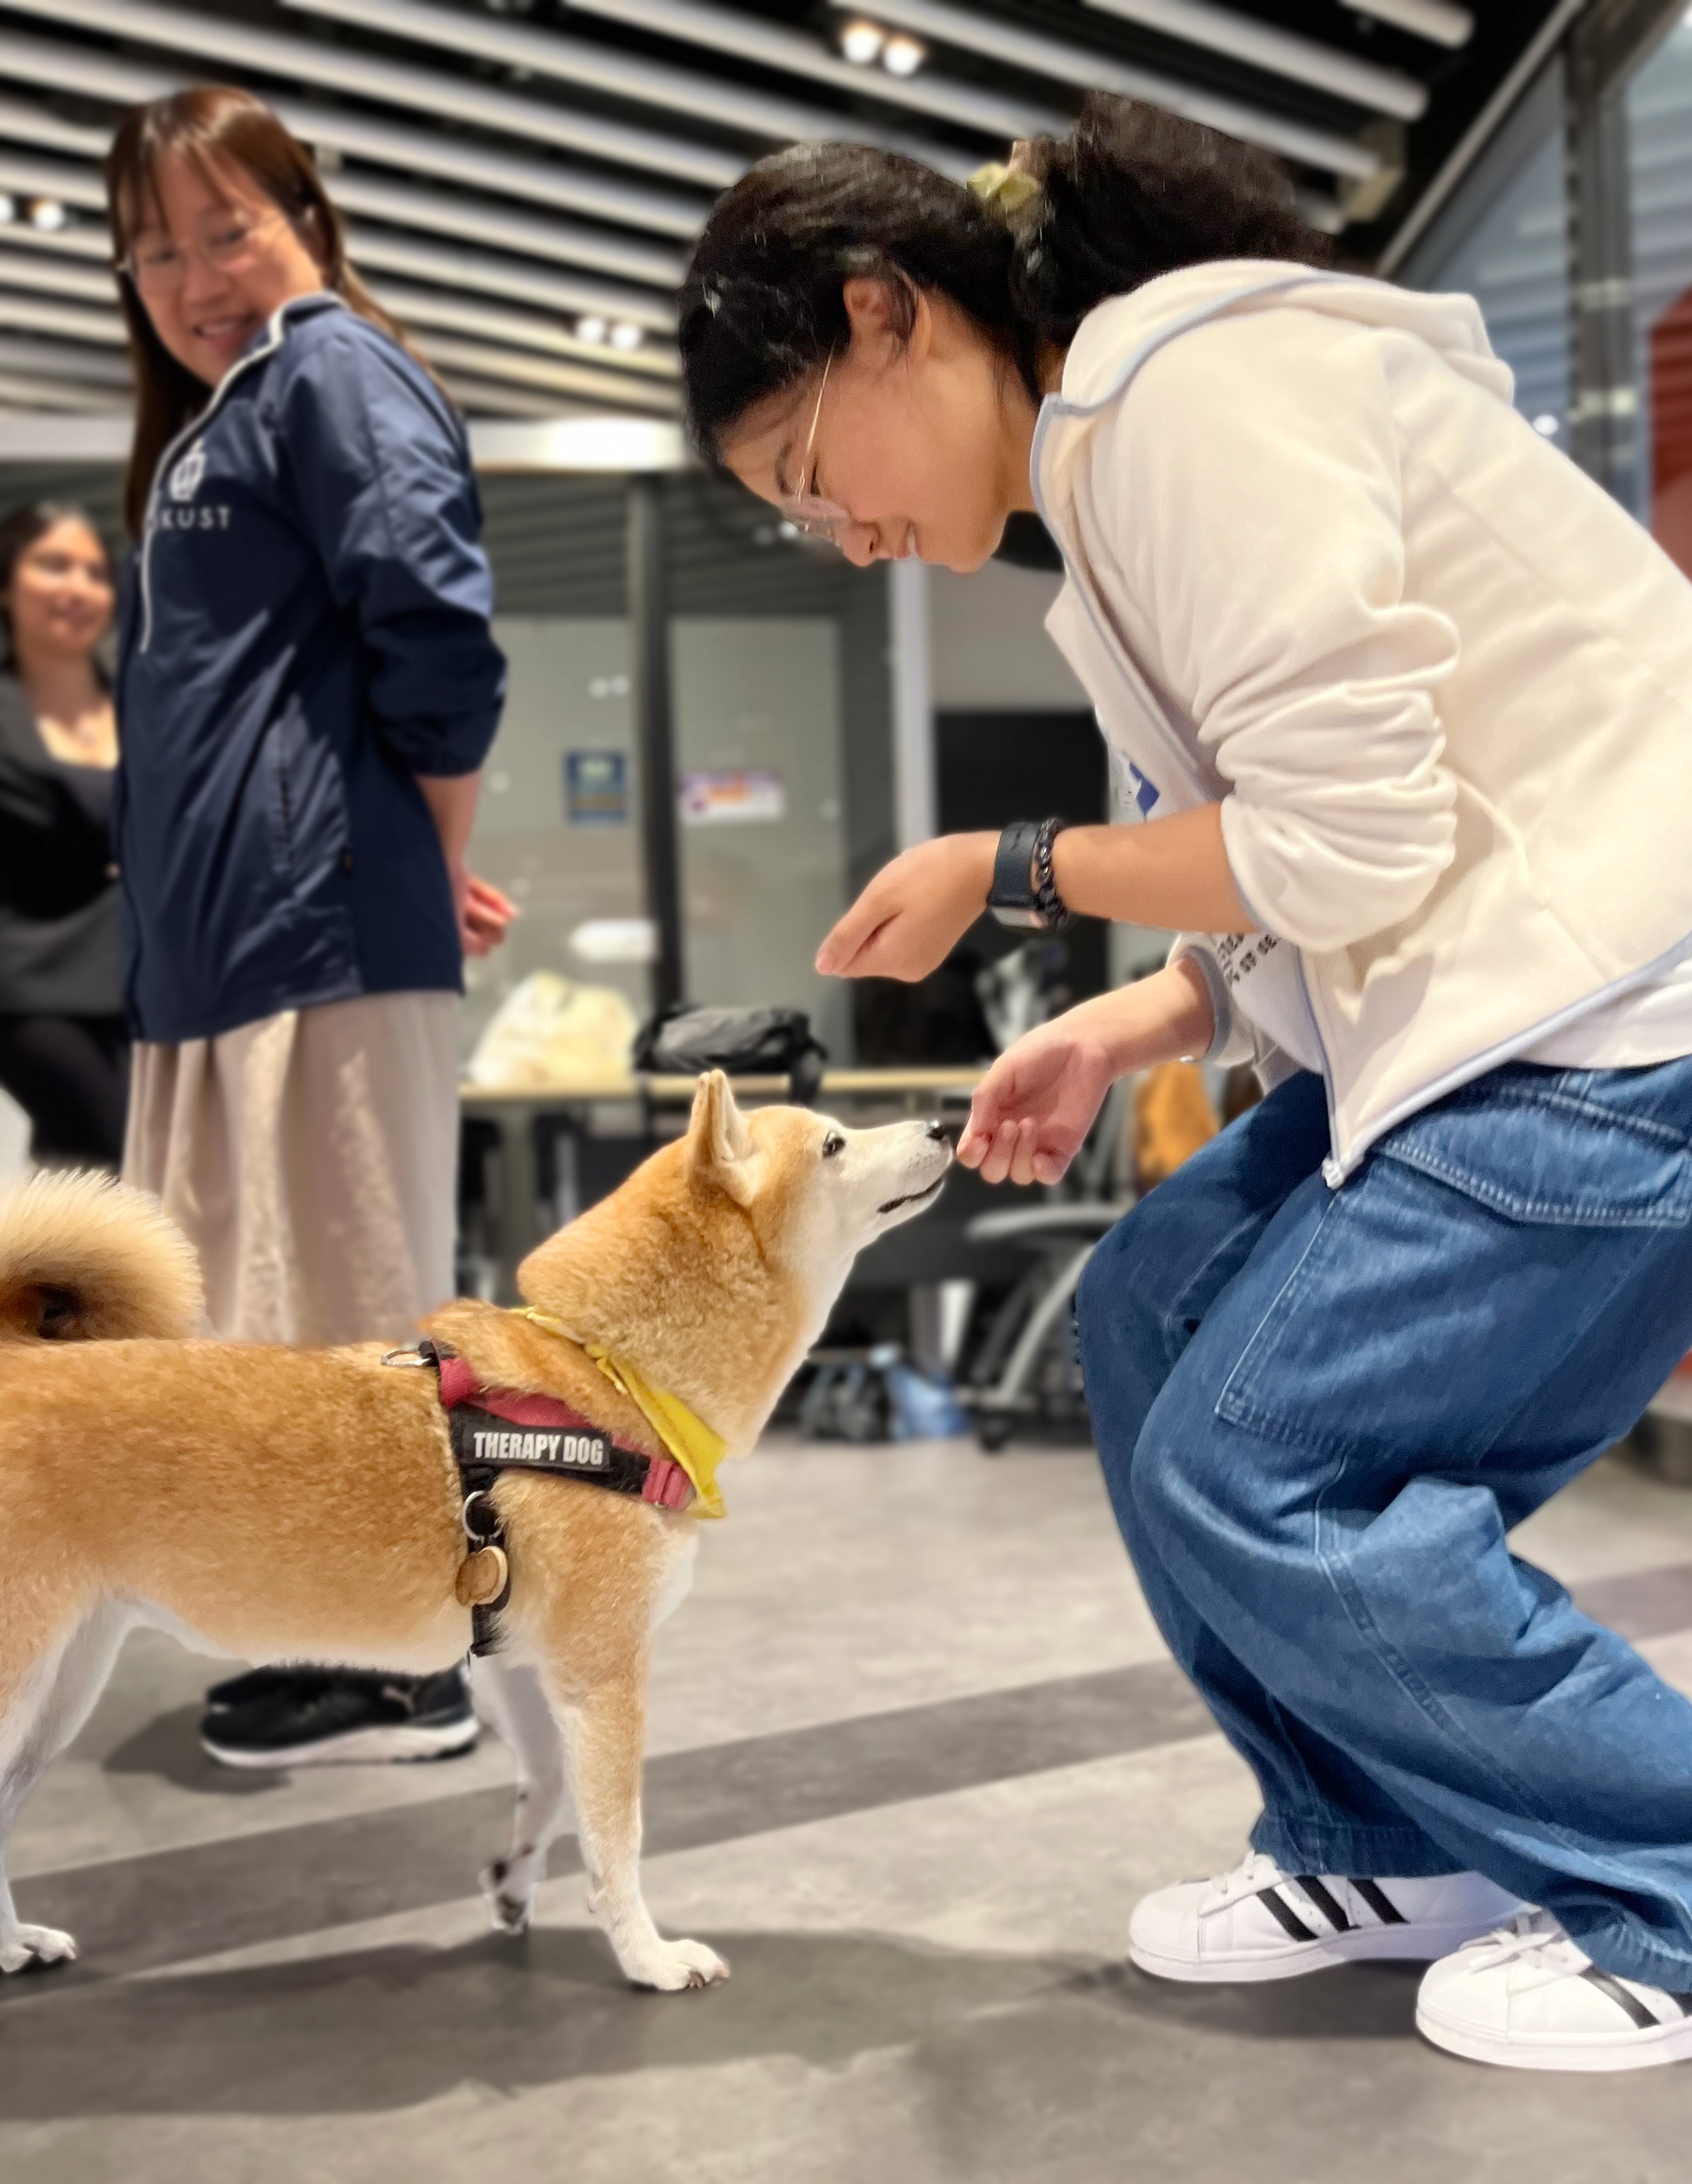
(1115,338)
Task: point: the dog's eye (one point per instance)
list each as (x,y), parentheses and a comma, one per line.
(833,1144)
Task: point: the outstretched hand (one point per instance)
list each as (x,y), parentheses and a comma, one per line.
(1032,1110)
(914,911)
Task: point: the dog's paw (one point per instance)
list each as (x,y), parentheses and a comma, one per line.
(510,1899)
(31,1948)
(674,1965)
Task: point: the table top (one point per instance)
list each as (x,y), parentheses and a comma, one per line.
(842,1084)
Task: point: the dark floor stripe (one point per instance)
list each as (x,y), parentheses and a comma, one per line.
(166,1907)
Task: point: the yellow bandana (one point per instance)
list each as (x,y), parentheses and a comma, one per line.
(688,1439)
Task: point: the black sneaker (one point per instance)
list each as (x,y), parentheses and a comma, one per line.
(341,1715)
(265,1684)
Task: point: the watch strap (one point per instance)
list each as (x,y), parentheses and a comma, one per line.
(1024,892)
(1013,868)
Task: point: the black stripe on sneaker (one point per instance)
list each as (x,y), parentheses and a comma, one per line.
(1285,1916)
(1325,1902)
(1379,1901)
(1644,2018)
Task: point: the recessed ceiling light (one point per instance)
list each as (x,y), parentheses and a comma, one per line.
(626,336)
(593,329)
(863,43)
(1547,424)
(48,215)
(904,56)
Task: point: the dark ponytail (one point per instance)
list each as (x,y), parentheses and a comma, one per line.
(1131,192)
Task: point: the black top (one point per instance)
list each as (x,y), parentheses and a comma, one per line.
(59,952)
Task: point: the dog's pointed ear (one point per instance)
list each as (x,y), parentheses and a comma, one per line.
(719,1142)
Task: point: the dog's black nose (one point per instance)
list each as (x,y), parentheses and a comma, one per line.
(939,1132)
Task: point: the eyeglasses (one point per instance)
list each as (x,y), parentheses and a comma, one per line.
(162,267)
(808,512)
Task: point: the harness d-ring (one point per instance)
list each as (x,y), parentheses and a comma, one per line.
(481,1538)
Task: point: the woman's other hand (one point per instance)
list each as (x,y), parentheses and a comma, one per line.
(483,913)
(914,911)
(1032,1110)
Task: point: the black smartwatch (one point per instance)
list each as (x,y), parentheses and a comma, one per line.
(1024,892)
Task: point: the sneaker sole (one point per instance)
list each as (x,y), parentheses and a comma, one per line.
(1411,1944)
(359,1746)
(1639,2051)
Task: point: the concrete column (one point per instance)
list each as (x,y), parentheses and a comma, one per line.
(916,786)
(649,657)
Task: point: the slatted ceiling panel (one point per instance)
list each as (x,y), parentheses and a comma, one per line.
(526,150)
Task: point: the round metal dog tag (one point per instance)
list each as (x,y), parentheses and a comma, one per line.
(482,1577)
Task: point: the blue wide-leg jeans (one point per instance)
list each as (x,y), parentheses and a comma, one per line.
(1319,1412)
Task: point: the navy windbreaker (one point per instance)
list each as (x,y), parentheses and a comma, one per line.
(306,630)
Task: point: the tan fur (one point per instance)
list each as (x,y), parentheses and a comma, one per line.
(289,1504)
(130,1269)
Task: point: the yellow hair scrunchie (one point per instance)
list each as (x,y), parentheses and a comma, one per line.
(1006,188)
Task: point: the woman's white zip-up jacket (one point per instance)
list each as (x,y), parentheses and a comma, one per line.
(1319,569)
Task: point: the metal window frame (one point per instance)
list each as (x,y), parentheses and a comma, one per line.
(1607,45)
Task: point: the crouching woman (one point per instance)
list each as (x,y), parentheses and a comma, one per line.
(1403,698)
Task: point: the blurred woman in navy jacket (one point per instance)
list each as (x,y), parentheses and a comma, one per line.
(308,687)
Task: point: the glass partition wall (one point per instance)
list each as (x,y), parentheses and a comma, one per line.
(1657,109)
(777,661)
(1503,239)
(1573,231)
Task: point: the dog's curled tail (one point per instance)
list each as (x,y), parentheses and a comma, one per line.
(83,1259)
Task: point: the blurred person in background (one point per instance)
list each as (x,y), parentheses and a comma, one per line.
(64,1051)
(308,686)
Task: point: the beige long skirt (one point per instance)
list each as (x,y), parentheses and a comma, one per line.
(312,1158)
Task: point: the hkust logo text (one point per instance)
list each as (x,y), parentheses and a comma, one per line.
(178,512)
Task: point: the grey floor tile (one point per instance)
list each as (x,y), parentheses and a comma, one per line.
(912,1787)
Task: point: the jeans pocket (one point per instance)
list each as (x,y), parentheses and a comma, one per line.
(1592,1149)
(1444,1283)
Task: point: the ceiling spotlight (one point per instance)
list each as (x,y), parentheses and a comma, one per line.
(861,42)
(1548,425)
(593,329)
(47,214)
(8,210)
(904,56)
(626,336)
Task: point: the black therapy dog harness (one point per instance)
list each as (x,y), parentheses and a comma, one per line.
(494,1429)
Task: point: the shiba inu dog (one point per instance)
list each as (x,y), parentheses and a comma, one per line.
(301,1505)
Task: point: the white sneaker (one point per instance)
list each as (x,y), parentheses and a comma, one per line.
(1526,1997)
(1259,1923)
